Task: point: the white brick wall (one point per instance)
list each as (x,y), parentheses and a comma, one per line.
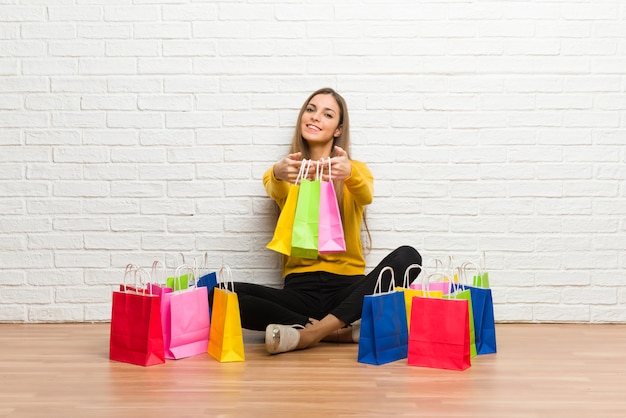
(135,130)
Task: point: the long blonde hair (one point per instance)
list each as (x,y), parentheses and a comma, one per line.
(299,144)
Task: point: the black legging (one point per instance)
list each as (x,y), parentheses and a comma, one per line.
(315,295)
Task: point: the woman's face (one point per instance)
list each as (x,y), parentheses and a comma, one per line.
(320,120)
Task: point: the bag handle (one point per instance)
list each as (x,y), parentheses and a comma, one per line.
(463,272)
(405,281)
(153,272)
(225,276)
(201,268)
(177,274)
(303,165)
(321,169)
(130,268)
(138,273)
(392,283)
(425,278)
(447,268)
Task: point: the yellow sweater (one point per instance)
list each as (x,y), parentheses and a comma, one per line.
(358,191)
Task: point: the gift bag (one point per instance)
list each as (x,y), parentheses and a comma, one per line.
(409,291)
(226,335)
(173,282)
(179,283)
(462,292)
(384,333)
(281,241)
(439,336)
(136,336)
(437,282)
(206,278)
(331,238)
(482,307)
(304,239)
(189,322)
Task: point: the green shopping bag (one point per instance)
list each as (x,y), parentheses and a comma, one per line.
(304,239)
(461,292)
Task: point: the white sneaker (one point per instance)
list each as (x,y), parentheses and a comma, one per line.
(356,331)
(281,338)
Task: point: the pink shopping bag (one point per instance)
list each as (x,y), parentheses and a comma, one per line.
(187,320)
(330,230)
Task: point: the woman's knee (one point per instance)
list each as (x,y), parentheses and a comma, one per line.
(408,253)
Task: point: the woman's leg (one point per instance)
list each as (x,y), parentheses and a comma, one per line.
(260,305)
(351,306)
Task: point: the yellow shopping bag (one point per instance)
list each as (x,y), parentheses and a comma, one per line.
(281,241)
(410,293)
(226,336)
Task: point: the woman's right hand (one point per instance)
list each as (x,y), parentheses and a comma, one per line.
(288,168)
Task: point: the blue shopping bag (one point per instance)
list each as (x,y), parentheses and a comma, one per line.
(384,333)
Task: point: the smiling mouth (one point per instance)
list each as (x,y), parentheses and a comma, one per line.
(313,127)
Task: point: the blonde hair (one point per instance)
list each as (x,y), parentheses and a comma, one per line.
(299,144)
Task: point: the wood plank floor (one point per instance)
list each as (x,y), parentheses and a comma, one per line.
(63,370)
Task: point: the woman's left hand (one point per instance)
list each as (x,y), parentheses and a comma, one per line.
(340,166)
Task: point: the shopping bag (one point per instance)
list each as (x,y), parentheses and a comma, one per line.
(384,333)
(179,283)
(409,291)
(281,241)
(136,336)
(439,335)
(462,292)
(484,320)
(226,335)
(331,238)
(189,322)
(206,278)
(304,239)
(438,282)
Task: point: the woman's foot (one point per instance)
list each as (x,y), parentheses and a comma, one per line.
(356,331)
(281,338)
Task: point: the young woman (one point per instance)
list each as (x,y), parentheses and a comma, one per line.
(321,298)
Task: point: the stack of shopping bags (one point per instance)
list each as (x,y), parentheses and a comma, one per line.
(448,321)
(310,222)
(156,317)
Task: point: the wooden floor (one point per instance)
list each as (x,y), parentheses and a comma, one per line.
(63,370)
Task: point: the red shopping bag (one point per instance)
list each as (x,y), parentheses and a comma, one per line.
(136,336)
(439,335)
(331,238)
(410,292)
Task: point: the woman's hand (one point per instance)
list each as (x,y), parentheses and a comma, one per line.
(340,166)
(287,169)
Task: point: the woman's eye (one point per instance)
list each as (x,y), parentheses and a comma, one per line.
(329,115)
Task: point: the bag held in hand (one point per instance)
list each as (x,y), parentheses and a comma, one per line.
(304,240)
(281,241)
(331,238)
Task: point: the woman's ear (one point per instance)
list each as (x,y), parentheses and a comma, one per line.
(337,133)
